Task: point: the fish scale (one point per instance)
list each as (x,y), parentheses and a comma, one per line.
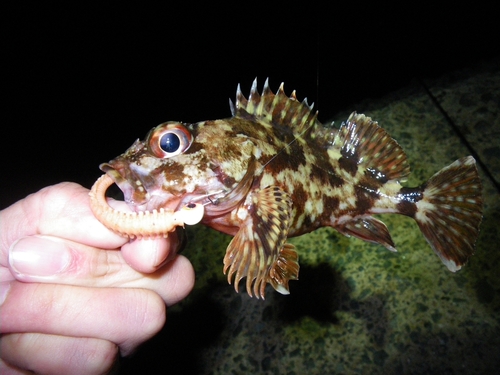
(273,171)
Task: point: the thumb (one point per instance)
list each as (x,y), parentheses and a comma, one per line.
(39,256)
(46,259)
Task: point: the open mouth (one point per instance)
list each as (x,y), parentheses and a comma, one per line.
(137,196)
(154,223)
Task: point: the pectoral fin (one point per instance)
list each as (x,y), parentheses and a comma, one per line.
(259,250)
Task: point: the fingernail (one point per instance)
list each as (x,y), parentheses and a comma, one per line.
(39,256)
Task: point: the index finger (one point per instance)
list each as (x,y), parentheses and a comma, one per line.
(60,210)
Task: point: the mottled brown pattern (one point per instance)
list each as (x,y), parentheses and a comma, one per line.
(331,204)
(173,169)
(408,198)
(365,200)
(272,171)
(349,164)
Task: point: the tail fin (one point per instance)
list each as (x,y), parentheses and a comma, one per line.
(450,212)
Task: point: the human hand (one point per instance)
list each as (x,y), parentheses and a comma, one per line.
(69,301)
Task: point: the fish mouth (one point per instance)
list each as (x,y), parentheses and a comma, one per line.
(145,224)
(153,215)
(140,191)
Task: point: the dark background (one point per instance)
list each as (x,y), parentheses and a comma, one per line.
(82,82)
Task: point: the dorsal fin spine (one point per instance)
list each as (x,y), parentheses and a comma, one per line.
(240,99)
(265,93)
(276,109)
(254,98)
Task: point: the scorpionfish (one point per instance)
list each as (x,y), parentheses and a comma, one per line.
(273,171)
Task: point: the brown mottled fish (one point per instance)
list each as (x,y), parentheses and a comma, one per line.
(273,171)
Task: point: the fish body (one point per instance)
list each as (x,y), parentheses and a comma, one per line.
(273,171)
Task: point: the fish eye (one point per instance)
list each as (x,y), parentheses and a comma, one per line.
(169,139)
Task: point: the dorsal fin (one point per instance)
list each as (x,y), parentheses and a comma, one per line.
(275,109)
(361,142)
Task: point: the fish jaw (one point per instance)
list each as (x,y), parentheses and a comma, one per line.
(144,194)
(147,184)
(138,192)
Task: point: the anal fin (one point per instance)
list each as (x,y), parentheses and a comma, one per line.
(368,229)
(285,268)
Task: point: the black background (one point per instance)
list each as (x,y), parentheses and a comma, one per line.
(81,82)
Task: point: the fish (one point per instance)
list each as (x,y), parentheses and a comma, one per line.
(273,171)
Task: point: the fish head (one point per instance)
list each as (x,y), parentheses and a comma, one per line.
(180,163)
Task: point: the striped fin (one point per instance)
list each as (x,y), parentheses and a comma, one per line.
(450,211)
(275,109)
(368,229)
(259,250)
(365,149)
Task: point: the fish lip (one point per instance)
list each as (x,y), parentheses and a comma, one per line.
(122,182)
(136,198)
(115,175)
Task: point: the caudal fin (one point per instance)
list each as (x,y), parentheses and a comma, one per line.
(450,212)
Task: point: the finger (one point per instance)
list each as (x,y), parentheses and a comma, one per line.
(179,280)
(51,354)
(52,260)
(147,255)
(61,210)
(126,317)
